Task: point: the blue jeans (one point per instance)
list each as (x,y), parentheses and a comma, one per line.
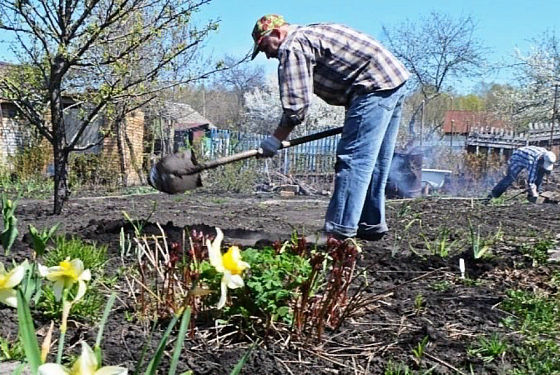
(364,156)
(511,176)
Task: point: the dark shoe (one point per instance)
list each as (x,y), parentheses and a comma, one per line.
(371,236)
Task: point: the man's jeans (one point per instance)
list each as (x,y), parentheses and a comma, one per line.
(363,162)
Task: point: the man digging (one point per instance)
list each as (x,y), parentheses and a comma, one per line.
(344,67)
(536,160)
(347,68)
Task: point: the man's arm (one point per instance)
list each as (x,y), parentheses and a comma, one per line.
(295,78)
(532,176)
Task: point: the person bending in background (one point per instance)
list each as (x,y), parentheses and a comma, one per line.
(536,160)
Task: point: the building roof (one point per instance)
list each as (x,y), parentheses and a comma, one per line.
(185,117)
(461,122)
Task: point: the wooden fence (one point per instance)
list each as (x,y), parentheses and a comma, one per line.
(316,157)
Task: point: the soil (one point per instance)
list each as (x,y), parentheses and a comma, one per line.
(399,270)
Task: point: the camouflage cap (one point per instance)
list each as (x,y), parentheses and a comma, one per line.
(263,27)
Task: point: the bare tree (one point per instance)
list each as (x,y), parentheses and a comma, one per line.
(437,50)
(95,53)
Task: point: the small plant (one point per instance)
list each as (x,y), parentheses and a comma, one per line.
(420,350)
(397,369)
(138,224)
(538,252)
(273,283)
(11,351)
(441,286)
(489,349)
(41,239)
(441,246)
(10,232)
(419,303)
(400,238)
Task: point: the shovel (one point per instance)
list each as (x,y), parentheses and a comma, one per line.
(182,171)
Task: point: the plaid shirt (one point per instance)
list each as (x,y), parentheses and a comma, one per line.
(336,63)
(526,157)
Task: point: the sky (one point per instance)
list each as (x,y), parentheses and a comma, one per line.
(502,25)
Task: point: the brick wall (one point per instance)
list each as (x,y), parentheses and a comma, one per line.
(12,137)
(132,136)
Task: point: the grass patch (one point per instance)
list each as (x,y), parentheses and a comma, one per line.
(538,252)
(538,321)
(489,348)
(93,256)
(11,351)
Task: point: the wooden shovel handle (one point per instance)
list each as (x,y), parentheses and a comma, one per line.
(251,153)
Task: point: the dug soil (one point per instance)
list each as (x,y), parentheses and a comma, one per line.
(412,292)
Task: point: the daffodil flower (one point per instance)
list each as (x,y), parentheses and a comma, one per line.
(86,364)
(230,264)
(9,280)
(66,274)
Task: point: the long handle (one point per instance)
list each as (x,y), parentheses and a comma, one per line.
(250,153)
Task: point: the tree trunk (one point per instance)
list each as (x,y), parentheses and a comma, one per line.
(60,152)
(61,191)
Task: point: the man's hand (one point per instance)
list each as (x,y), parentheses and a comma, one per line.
(533,194)
(269,147)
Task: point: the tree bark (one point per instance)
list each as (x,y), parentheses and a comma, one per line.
(60,153)
(61,191)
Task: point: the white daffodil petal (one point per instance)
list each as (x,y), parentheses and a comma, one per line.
(222,301)
(54,273)
(81,290)
(43,271)
(112,370)
(14,277)
(77,265)
(85,276)
(52,369)
(214,252)
(8,297)
(86,364)
(58,287)
(236,281)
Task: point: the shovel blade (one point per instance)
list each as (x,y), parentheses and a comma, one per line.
(170,173)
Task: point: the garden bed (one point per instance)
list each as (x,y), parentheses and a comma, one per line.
(420,313)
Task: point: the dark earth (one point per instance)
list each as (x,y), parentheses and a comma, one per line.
(455,311)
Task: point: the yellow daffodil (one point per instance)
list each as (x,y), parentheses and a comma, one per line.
(9,280)
(66,274)
(86,364)
(230,264)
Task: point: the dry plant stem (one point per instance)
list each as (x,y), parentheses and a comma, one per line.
(441,361)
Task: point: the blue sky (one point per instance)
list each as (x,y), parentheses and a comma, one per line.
(502,25)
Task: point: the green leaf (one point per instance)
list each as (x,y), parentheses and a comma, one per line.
(156,359)
(283,311)
(180,339)
(18,370)
(243,359)
(27,333)
(108,307)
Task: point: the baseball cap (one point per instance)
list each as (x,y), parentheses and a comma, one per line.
(549,160)
(263,27)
